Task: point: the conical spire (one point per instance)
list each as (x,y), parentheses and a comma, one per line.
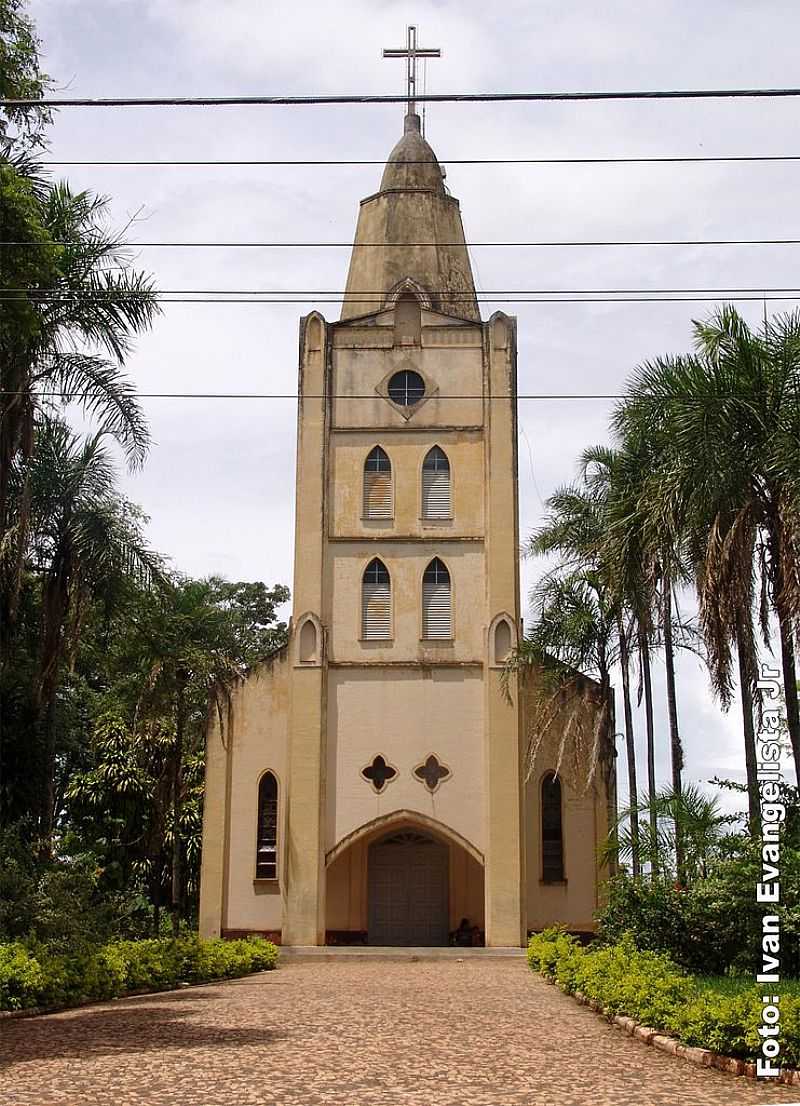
(409,234)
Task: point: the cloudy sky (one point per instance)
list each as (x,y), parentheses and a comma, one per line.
(219,483)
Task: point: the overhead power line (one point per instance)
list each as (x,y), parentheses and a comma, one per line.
(368,98)
(122,293)
(79,396)
(665,160)
(759,298)
(556,243)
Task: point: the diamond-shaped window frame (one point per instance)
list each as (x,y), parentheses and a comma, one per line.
(407,365)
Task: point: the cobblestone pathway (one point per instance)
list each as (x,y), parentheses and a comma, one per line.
(433,1033)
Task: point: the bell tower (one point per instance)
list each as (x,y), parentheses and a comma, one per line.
(404,753)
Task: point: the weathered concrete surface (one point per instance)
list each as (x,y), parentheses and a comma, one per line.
(354,1033)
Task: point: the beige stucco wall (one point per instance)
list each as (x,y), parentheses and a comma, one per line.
(405,714)
(230,896)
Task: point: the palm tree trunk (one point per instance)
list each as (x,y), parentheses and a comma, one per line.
(746,669)
(630,748)
(177,785)
(647,683)
(790,690)
(676,748)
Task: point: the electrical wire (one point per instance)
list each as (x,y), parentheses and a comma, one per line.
(665,160)
(80,396)
(369,98)
(557,244)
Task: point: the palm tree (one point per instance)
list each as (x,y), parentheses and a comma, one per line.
(85,541)
(702,829)
(574,632)
(71,304)
(723,493)
(575,528)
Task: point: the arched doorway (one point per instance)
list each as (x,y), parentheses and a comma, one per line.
(408,890)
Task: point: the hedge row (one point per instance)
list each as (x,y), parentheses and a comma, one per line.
(37,977)
(651,989)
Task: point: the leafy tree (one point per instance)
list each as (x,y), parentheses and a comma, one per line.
(20,78)
(186,647)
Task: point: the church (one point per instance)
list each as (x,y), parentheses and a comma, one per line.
(371,782)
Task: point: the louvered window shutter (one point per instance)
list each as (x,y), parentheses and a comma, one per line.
(378,499)
(376,603)
(436,501)
(437,617)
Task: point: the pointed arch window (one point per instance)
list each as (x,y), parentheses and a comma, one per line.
(376,602)
(552,830)
(378,497)
(436,493)
(267,838)
(437,614)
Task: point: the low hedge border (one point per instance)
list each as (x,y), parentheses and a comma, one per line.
(704,1057)
(42,981)
(650,979)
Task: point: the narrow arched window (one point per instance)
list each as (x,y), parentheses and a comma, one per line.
(267,841)
(308,642)
(436,499)
(378,499)
(376,602)
(502,641)
(437,615)
(552,831)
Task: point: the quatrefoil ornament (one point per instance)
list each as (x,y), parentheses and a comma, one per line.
(379,773)
(432,772)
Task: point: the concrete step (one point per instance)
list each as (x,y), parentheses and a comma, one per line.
(389,952)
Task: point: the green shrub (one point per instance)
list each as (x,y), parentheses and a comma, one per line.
(650,988)
(40,977)
(21,977)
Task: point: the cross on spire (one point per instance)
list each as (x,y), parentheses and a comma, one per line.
(411,53)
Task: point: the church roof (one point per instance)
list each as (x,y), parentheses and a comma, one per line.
(412,163)
(410,234)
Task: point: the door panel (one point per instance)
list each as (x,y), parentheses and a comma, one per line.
(408,891)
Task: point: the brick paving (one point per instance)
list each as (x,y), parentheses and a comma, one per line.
(363,1033)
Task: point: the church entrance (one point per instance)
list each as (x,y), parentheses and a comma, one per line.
(408,875)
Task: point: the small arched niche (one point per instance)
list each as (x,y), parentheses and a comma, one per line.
(407,320)
(501,640)
(309,637)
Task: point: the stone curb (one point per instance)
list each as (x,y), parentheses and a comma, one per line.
(38,1011)
(703,1057)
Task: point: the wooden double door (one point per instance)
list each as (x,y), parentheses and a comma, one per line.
(408,891)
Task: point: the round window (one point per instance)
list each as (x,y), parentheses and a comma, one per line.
(406,388)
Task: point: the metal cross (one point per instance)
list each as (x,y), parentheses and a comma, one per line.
(411,53)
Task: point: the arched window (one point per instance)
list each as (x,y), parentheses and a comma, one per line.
(267,840)
(308,642)
(437,616)
(407,321)
(436,500)
(378,499)
(376,602)
(552,832)
(502,641)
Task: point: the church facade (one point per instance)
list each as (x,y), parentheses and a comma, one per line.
(371,781)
